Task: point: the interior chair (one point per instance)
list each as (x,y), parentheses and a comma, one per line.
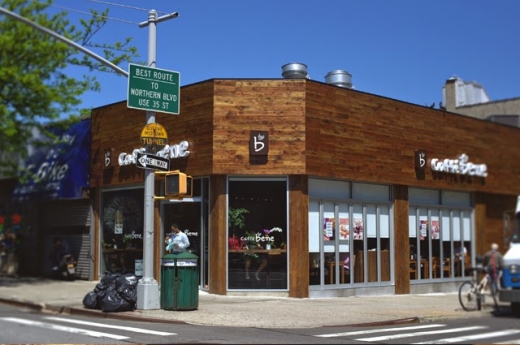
(413,269)
(446,268)
(437,267)
(467,262)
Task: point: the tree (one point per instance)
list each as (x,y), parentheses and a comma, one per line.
(34,88)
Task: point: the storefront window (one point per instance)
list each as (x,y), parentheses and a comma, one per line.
(122,231)
(335,227)
(440,234)
(257,234)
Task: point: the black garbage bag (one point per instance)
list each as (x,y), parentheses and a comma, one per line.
(113,302)
(128,293)
(90,301)
(127,279)
(107,283)
(109,279)
(117,292)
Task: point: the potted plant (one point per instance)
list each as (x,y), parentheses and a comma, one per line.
(236,218)
(127,241)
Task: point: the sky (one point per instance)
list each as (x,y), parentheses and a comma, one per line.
(399,49)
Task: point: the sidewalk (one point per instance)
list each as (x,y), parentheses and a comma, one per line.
(241,311)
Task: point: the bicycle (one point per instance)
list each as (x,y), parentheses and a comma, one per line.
(471,294)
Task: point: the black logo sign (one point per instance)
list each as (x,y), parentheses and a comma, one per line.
(420,159)
(259,143)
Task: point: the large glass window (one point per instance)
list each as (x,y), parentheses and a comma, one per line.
(440,230)
(122,231)
(349,242)
(257,233)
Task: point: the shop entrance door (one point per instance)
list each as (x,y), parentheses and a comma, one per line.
(188,216)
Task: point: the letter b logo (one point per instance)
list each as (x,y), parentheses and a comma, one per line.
(259,143)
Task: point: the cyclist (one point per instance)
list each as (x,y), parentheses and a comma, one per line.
(493,262)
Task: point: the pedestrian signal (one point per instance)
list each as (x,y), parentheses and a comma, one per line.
(175,184)
(178,184)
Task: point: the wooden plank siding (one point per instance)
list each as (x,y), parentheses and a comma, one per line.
(358,136)
(218,235)
(299,236)
(315,130)
(276,106)
(489,224)
(118,127)
(401,240)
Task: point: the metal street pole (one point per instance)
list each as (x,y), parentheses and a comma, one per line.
(147,287)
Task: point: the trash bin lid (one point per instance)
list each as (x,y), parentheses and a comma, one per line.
(180,255)
(179,259)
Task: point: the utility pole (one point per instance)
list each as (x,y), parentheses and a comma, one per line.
(147,287)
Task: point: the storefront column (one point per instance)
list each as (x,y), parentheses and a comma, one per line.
(401,240)
(298,236)
(480,224)
(489,220)
(217,235)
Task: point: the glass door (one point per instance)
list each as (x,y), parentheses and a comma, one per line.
(188,216)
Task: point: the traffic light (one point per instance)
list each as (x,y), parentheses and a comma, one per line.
(178,184)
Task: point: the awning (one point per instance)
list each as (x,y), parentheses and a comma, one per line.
(60,171)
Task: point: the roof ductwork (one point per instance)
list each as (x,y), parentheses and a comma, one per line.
(294,70)
(339,78)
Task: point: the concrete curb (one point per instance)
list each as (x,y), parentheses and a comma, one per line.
(246,311)
(44,308)
(405,321)
(54,309)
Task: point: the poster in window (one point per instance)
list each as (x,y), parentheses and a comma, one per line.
(344,230)
(328,228)
(423,229)
(358,229)
(435,229)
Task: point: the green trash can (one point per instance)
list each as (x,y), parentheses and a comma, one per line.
(179,281)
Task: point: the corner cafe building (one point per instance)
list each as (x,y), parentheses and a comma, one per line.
(307,189)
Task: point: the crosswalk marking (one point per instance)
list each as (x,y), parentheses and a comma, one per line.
(474,337)
(516,341)
(63,328)
(408,335)
(422,330)
(130,329)
(379,330)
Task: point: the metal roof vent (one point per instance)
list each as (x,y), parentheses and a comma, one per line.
(294,70)
(339,78)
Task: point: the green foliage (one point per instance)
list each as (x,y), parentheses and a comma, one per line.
(237,218)
(34,88)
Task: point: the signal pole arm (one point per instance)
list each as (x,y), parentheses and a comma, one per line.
(66,40)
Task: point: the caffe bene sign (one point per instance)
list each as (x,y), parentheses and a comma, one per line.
(460,166)
(179,150)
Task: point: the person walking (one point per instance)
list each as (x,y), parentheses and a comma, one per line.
(177,241)
(493,262)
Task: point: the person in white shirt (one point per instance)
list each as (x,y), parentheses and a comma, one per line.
(177,241)
(460,250)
